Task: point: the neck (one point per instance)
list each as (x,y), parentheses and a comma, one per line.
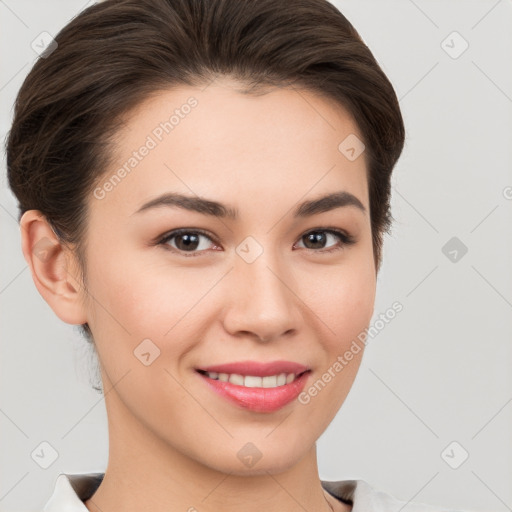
(146,473)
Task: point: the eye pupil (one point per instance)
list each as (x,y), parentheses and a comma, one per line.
(190,241)
(316,237)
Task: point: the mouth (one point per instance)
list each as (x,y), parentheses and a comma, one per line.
(258,387)
(254,381)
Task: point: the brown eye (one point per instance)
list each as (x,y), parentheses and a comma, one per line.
(187,241)
(315,240)
(318,239)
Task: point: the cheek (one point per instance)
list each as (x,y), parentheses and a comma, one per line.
(139,294)
(352,306)
(343,305)
(139,317)
(137,300)
(343,298)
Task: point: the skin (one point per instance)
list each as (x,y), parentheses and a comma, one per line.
(174,442)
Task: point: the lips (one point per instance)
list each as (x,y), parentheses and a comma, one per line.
(266,397)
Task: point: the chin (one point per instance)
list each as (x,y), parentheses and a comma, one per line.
(249,460)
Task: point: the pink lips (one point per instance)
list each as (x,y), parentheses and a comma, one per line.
(258,399)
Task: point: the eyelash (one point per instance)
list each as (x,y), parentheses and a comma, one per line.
(345,239)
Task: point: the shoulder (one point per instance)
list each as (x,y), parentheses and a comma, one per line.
(365,498)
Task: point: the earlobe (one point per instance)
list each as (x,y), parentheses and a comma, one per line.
(50,264)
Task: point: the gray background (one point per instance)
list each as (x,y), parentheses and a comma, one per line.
(439,372)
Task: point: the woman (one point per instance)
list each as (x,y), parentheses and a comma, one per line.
(204,186)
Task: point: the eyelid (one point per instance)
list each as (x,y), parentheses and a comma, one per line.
(345,238)
(163,239)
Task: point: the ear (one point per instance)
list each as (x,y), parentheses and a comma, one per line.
(54,268)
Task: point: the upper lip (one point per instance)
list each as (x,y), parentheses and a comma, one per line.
(256,368)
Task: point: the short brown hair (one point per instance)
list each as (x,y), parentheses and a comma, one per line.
(111,56)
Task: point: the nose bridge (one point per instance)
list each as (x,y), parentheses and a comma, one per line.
(262,302)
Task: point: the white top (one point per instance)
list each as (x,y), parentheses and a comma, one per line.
(71,490)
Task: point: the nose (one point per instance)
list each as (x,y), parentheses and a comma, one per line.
(262,304)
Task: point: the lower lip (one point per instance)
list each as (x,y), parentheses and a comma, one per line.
(258,399)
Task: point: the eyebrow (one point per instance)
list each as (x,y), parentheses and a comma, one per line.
(209,207)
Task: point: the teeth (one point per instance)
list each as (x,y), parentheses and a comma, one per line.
(251,381)
(270,381)
(234,378)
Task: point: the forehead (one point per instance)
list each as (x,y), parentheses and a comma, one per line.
(219,142)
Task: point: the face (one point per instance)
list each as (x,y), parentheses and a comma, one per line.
(256,277)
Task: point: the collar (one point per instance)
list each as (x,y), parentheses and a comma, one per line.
(71,490)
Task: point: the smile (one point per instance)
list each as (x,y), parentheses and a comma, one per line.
(253,381)
(257,393)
